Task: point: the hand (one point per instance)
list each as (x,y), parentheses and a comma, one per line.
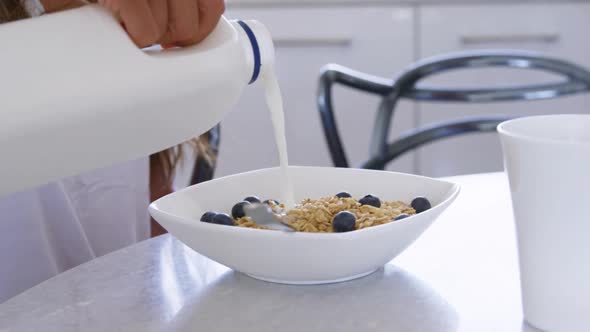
(166,22)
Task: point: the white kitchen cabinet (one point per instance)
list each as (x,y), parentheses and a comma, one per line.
(374,40)
(383,40)
(559,30)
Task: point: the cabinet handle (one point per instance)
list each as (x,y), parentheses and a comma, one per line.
(312,42)
(549,38)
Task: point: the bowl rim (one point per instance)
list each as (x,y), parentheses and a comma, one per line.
(449,196)
(504,129)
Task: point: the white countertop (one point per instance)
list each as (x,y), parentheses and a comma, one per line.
(461,275)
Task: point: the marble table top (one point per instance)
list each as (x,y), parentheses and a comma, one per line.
(461,275)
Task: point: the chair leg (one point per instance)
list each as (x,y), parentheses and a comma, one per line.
(335,74)
(380,134)
(421,137)
(329,121)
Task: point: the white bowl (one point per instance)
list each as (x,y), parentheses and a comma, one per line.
(301,258)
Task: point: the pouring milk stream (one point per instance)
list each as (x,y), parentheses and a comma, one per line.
(274,101)
(70,103)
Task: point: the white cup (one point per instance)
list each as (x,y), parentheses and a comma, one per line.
(547,159)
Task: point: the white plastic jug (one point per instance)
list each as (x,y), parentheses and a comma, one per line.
(77,94)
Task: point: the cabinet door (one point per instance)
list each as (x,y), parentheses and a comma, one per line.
(374,40)
(555,30)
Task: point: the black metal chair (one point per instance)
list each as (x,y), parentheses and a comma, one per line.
(381,152)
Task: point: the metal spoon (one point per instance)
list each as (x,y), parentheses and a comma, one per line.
(262,215)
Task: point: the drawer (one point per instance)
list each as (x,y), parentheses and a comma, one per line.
(557,29)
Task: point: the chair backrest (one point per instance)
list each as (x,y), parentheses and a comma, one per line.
(406,86)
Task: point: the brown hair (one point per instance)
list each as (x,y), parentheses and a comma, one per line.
(11,10)
(167,160)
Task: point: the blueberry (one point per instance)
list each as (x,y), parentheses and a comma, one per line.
(238,210)
(344,222)
(252,199)
(370,200)
(420,204)
(402,216)
(223,219)
(343,194)
(267,202)
(208,216)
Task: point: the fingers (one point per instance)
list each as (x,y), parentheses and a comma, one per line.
(183,21)
(160,13)
(137,18)
(168,22)
(210,12)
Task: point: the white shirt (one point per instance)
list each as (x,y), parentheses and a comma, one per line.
(55,227)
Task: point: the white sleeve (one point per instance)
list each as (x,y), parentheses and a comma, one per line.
(33,7)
